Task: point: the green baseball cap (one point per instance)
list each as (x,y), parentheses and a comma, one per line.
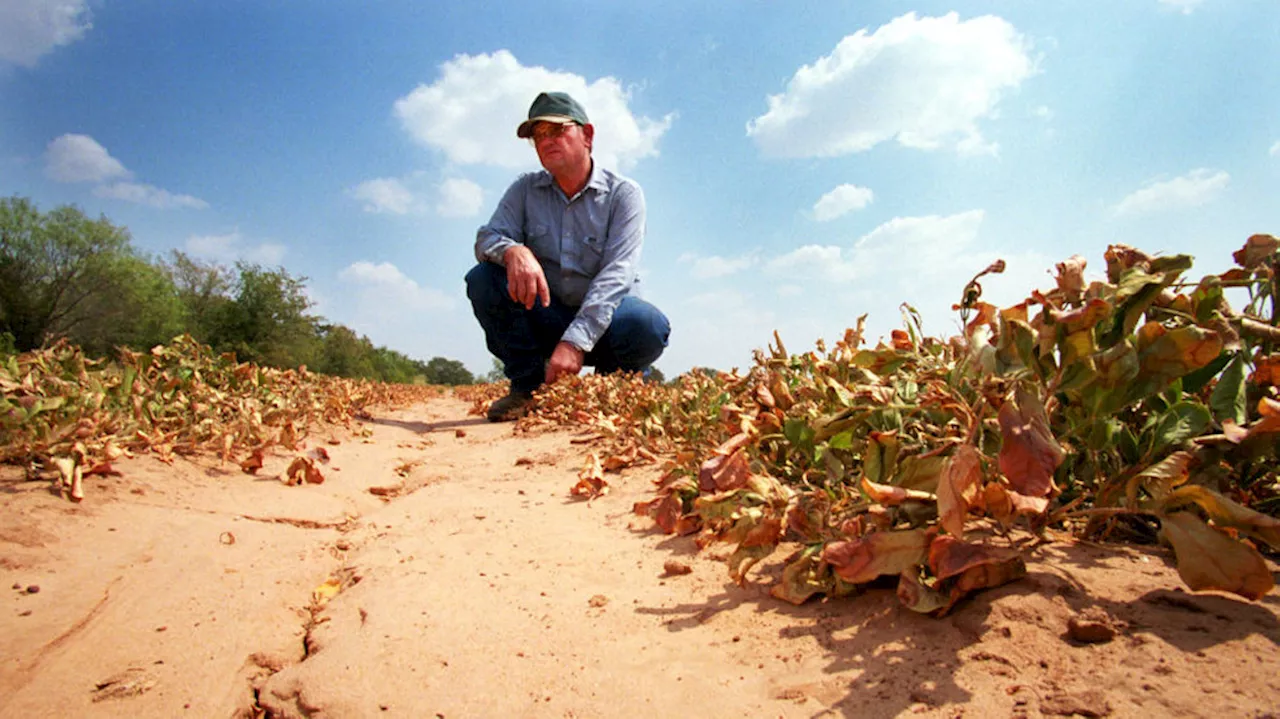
(555,107)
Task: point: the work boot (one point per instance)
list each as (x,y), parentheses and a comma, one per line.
(513,406)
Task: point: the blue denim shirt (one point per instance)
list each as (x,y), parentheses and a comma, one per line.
(588,244)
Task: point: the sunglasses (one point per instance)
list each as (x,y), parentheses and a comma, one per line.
(549,131)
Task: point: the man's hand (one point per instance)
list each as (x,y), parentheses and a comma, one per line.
(565,360)
(526,282)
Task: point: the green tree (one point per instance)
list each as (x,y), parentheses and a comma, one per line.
(447,371)
(267,321)
(140,309)
(58,270)
(345,354)
(204,291)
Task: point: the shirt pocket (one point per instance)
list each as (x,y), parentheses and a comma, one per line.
(542,241)
(591,255)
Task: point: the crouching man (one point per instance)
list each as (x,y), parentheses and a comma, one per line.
(554,286)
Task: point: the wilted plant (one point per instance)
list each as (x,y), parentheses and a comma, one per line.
(1140,399)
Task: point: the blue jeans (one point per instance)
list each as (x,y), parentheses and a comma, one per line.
(524,339)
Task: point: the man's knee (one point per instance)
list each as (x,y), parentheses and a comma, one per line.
(485,282)
(641,326)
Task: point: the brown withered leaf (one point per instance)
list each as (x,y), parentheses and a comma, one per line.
(1029,454)
(891,496)
(997,504)
(806,575)
(288,437)
(861,560)
(625,458)
(1257,250)
(1225,512)
(1070,277)
(988,575)
(958,488)
(591,481)
(726,469)
(666,511)
(1166,354)
(303,470)
(1209,559)
(252,463)
(759,542)
(807,516)
(1266,371)
(950,557)
(917,596)
(1160,478)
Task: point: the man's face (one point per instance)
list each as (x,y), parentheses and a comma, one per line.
(563,148)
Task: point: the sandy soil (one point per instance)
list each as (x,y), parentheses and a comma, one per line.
(472,585)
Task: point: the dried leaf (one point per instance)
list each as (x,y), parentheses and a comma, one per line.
(1257,250)
(949,557)
(862,560)
(303,470)
(891,496)
(958,489)
(1209,559)
(321,595)
(252,463)
(1225,512)
(1029,454)
(591,482)
(1070,277)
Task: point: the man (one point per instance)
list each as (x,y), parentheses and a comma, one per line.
(554,287)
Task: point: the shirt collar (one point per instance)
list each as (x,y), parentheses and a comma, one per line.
(597,181)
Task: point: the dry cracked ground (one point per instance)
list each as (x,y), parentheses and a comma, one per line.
(444,570)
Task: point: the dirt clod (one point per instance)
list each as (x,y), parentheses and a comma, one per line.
(1088,630)
(674,567)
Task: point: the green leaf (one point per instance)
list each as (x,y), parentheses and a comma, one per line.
(1228,399)
(1179,423)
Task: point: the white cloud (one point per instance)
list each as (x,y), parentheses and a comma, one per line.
(79,158)
(1193,189)
(471,111)
(32,28)
(1183,6)
(840,201)
(232,247)
(148,195)
(815,262)
(922,81)
(459,198)
(921,261)
(1275,149)
(384,194)
(383,285)
(711,267)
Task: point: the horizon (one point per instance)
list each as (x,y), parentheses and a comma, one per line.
(802,165)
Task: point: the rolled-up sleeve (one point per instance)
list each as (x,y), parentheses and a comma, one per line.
(506,227)
(618,267)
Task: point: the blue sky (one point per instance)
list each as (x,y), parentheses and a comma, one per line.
(803,162)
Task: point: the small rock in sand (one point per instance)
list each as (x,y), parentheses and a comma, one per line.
(674,567)
(598,600)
